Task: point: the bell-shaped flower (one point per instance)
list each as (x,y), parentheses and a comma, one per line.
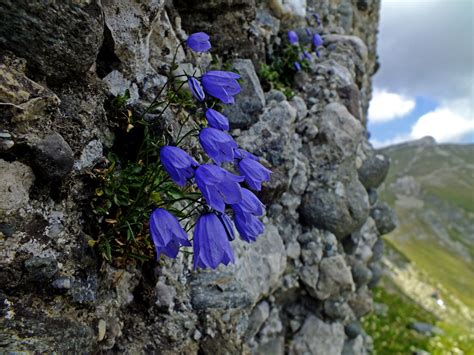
(166,233)
(254,172)
(292,37)
(306,55)
(196,88)
(249,204)
(240,153)
(297,66)
(217,120)
(228,225)
(211,243)
(222,85)
(178,164)
(218,186)
(317,18)
(308,31)
(199,42)
(219,145)
(248,226)
(317,40)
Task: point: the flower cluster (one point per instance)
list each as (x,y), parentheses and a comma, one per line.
(305,49)
(221,189)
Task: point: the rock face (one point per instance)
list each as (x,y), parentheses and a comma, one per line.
(300,288)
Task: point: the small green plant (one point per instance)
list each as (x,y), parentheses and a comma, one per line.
(293,56)
(162,180)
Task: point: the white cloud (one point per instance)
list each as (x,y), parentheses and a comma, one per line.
(444,125)
(451,122)
(386,106)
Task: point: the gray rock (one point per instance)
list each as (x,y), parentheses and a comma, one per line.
(90,155)
(341,207)
(275,95)
(118,85)
(334,277)
(258,316)
(384,217)
(53,156)
(350,97)
(41,269)
(361,301)
(343,40)
(377,273)
(338,310)
(353,329)
(373,171)
(300,105)
(58,39)
(62,283)
(132,46)
(373,196)
(274,346)
(354,347)
(251,100)
(84,290)
(317,337)
(361,274)
(165,295)
(377,250)
(15,182)
(426,328)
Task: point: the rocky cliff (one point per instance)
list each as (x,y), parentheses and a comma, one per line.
(300,289)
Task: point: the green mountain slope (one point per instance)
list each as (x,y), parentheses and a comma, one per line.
(431,188)
(430,256)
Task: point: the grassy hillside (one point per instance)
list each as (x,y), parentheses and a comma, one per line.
(431,188)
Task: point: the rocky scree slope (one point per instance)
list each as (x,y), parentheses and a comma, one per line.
(300,289)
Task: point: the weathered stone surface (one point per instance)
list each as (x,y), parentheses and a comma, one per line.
(250,101)
(131,46)
(317,337)
(384,217)
(374,170)
(293,290)
(15,183)
(58,39)
(334,277)
(338,206)
(53,156)
(41,269)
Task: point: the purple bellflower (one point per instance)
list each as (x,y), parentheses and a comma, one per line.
(245,216)
(211,243)
(317,18)
(228,225)
(178,164)
(297,66)
(317,40)
(240,153)
(307,55)
(222,85)
(308,31)
(217,120)
(292,37)
(249,204)
(248,226)
(196,88)
(199,42)
(254,172)
(218,186)
(167,234)
(219,145)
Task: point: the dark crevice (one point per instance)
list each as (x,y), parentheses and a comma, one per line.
(107,61)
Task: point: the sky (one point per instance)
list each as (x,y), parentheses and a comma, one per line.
(425,84)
